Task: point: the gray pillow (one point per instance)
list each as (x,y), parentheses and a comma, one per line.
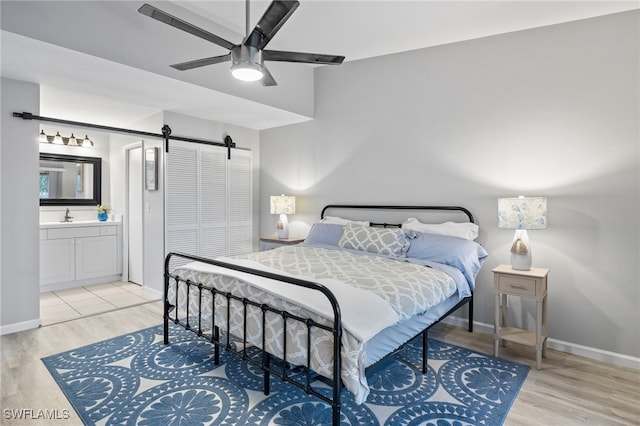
(390,242)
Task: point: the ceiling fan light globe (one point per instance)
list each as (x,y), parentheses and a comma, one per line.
(247,72)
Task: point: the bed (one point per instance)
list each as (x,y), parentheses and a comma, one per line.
(333,307)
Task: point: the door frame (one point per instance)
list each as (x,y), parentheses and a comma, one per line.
(125,228)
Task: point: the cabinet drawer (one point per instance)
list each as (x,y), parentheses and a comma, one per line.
(108,230)
(82,231)
(515,285)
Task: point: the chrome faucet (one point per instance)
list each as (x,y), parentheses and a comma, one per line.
(67,216)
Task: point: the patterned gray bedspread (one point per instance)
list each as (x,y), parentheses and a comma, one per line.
(408,290)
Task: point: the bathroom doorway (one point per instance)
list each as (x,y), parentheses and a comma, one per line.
(134,223)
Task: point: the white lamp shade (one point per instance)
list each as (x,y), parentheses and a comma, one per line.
(522,212)
(283,204)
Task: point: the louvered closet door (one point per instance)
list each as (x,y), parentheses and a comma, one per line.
(213,202)
(240,196)
(209,211)
(182,200)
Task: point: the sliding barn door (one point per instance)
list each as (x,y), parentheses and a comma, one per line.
(209,210)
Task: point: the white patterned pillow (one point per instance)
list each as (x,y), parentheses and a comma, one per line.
(391,242)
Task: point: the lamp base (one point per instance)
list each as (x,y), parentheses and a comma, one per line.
(521,251)
(520,263)
(283,227)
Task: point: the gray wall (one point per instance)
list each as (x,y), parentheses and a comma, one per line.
(550,111)
(19,233)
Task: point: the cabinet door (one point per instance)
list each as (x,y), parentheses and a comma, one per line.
(96,257)
(57,261)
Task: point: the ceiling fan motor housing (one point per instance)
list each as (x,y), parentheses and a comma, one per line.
(243,55)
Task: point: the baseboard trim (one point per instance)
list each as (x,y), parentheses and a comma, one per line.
(158,293)
(620,360)
(19,326)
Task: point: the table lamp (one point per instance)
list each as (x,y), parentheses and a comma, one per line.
(283,205)
(522,213)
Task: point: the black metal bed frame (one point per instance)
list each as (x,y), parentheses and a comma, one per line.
(264,359)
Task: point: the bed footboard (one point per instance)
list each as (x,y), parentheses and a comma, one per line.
(264,358)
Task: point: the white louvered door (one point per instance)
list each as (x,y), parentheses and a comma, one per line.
(209,210)
(213,203)
(239,196)
(182,200)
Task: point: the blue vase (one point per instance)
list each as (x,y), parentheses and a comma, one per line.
(102,217)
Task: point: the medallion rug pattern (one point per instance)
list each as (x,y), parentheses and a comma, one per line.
(135,379)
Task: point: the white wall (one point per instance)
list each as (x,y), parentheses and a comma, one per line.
(550,111)
(19,238)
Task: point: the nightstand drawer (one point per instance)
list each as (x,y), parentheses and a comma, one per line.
(517,286)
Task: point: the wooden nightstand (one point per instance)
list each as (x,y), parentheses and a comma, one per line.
(268,243)
(531,284)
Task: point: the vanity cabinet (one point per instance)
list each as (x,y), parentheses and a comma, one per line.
(57,261)
(76,254)
(96,257)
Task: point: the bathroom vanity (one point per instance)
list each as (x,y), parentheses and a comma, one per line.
(73,254)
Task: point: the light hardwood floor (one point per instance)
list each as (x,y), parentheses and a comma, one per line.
(569,390)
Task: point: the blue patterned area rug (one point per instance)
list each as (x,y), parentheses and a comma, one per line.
(137,380)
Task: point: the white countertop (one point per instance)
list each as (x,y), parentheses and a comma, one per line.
(78,223)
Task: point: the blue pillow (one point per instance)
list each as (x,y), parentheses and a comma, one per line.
(325,233)
(465,255)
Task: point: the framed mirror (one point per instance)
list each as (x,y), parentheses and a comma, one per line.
(70,180)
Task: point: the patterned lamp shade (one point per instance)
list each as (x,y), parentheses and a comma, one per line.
(522,212)
(283,204)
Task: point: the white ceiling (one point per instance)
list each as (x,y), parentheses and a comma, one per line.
(97,88)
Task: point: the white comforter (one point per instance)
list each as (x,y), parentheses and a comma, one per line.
(373,293)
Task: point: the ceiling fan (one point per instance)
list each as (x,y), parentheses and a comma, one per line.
(247,58)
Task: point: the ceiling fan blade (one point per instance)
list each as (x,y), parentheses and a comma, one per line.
(307,58)
(267,78)
(183,66)
(274,17)
(159,15)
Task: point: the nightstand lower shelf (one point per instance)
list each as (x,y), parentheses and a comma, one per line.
(518,335)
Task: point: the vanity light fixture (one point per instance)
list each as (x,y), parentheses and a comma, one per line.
(61,140)
(57,139)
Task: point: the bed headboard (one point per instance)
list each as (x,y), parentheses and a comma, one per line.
(393,216)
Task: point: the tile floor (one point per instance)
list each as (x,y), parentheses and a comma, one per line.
(64,305)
